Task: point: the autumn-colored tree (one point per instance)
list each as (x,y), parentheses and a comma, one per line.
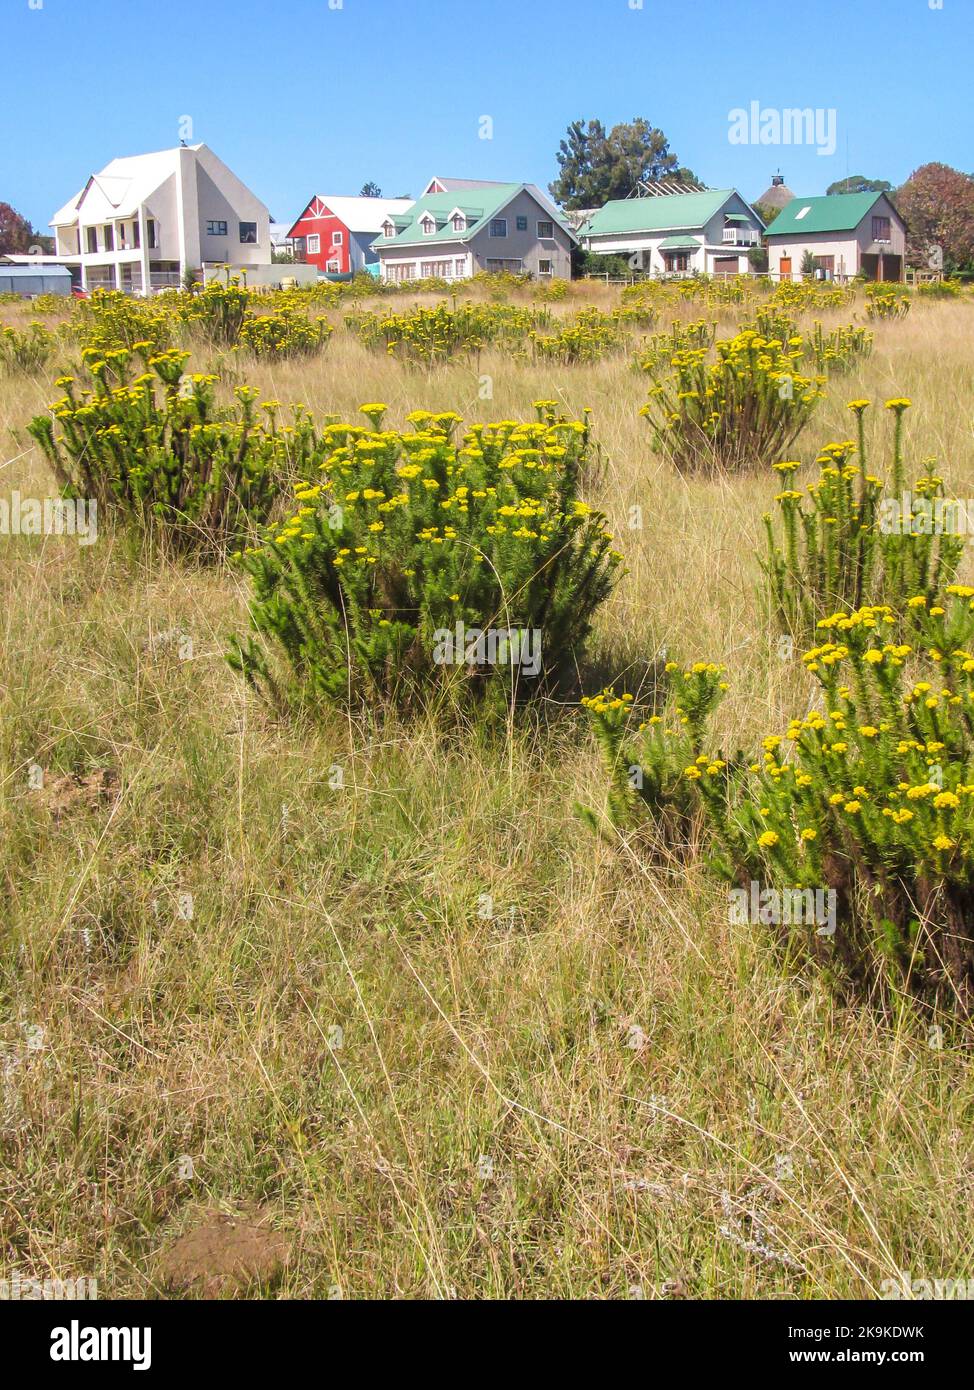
(16,234)
(937,204)
(596,167)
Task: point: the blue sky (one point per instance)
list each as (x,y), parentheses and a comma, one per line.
(323,95)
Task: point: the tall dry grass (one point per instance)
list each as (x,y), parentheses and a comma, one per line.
(449,1042)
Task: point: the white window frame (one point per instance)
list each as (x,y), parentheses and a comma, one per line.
(314,244)
(459,224)
(496,221)
(337,239)
(333,266)
(427,225)
(546,262)
(460,267)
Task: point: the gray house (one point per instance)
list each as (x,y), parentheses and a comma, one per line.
(459,227)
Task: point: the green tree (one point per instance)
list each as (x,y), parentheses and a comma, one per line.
(371,190)
(595,167)
(858,183)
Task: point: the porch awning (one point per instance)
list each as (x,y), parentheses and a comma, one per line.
(679,243)
(736,217)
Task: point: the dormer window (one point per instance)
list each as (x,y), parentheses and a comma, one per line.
(427,225)
(459,223)
(388,229)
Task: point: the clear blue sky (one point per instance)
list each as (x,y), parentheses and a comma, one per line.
(298,97)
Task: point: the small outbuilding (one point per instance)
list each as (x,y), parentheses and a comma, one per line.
(845,234)
(31,280)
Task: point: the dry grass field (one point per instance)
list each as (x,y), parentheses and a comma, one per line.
(337,1058)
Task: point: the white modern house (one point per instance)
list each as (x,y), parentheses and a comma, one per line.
(846,234)
(146,219)
(708,231)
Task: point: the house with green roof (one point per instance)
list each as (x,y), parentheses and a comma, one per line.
(847,234)
(708,231)
(460,227)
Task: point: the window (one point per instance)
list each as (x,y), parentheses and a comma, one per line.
(496,264)
(334,267)
(314,244)
(522,224)
(136,234)
(336,238)
(109,238)
(437,268)
(217,229)
(152,234)
(248,233)
(881,229)
(545,268)
(498,226)
(546,229)
(428,226)
(388,229)
(91,237)
(676,260)
(401,270)
(460,267)
(459,224)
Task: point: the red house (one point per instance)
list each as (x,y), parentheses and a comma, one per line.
(336,234)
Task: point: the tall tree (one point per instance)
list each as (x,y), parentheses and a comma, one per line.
(858,183)
(371,190)
(937,204)
(16,234)
(596,167)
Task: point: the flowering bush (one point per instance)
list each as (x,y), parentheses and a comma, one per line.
(871,799)
(283,333)
(196,476)
(427,336)
(658,352)
(887,301)
(112,321)
(811,294)
(590,336)
(216,311)
(841,350)
(27,349)
(414,564)
(749,405)
(834,546)
(647,768)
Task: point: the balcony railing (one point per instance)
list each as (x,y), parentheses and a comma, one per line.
(740,236)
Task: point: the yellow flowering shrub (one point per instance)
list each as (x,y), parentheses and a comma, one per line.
(652,765)
(845,541)
(283,333)
(27,349)
(158,452)
(869,795)
(406,550)
(723,416)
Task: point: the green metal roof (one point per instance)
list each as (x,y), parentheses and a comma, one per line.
(663,213)
(839,212)
(736,217)
(479,206)
(679,243)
